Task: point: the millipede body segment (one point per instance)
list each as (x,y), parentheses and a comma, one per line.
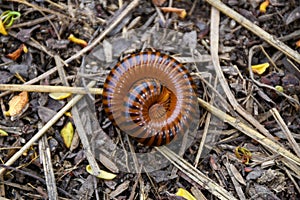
(150,96)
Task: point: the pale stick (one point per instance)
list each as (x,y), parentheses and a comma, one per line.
(49,89)
(44,129)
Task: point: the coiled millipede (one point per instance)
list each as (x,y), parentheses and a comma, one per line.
(150,96)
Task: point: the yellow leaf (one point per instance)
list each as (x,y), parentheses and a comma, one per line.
(3,133)
(185,194)
(25,49)
(243,153)
(279,88)
(17,104)
(182,14)
(59,95)
(263,6)
(260,69)
(76,40)
(2,28)
(67,133)
(103,174)
(68,114)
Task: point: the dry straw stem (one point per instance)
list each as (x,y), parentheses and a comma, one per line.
(237,185)
(286,131)
(73,101)
(122,15)
(214,35)
(250,132)
(195,174)
(251,53)
(49,89)
(39,8)
(43,130)
(82,132)
(256,30)
(221,115)
(33,22)
(45,157)
(110,27)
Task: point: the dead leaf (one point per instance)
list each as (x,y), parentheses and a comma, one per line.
(263,6)
(67,133)
(75,141)
(274,179)
(260,190)
(45,113)
(108,163)
(103,174)
(19,69)
(254,174)
(237,174)
(86,188)
(290,83)
(121,188)
(5,77)
(17,105)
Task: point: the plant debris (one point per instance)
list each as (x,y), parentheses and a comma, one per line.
(17,105)
(73,151)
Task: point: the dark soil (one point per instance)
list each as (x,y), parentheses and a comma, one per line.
(44,28)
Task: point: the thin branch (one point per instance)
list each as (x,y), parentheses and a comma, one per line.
(272,40)
(49,89)
(43,130)
(35,177)
(276,148)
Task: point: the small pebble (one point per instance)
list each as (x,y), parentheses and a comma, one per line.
(232,24)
